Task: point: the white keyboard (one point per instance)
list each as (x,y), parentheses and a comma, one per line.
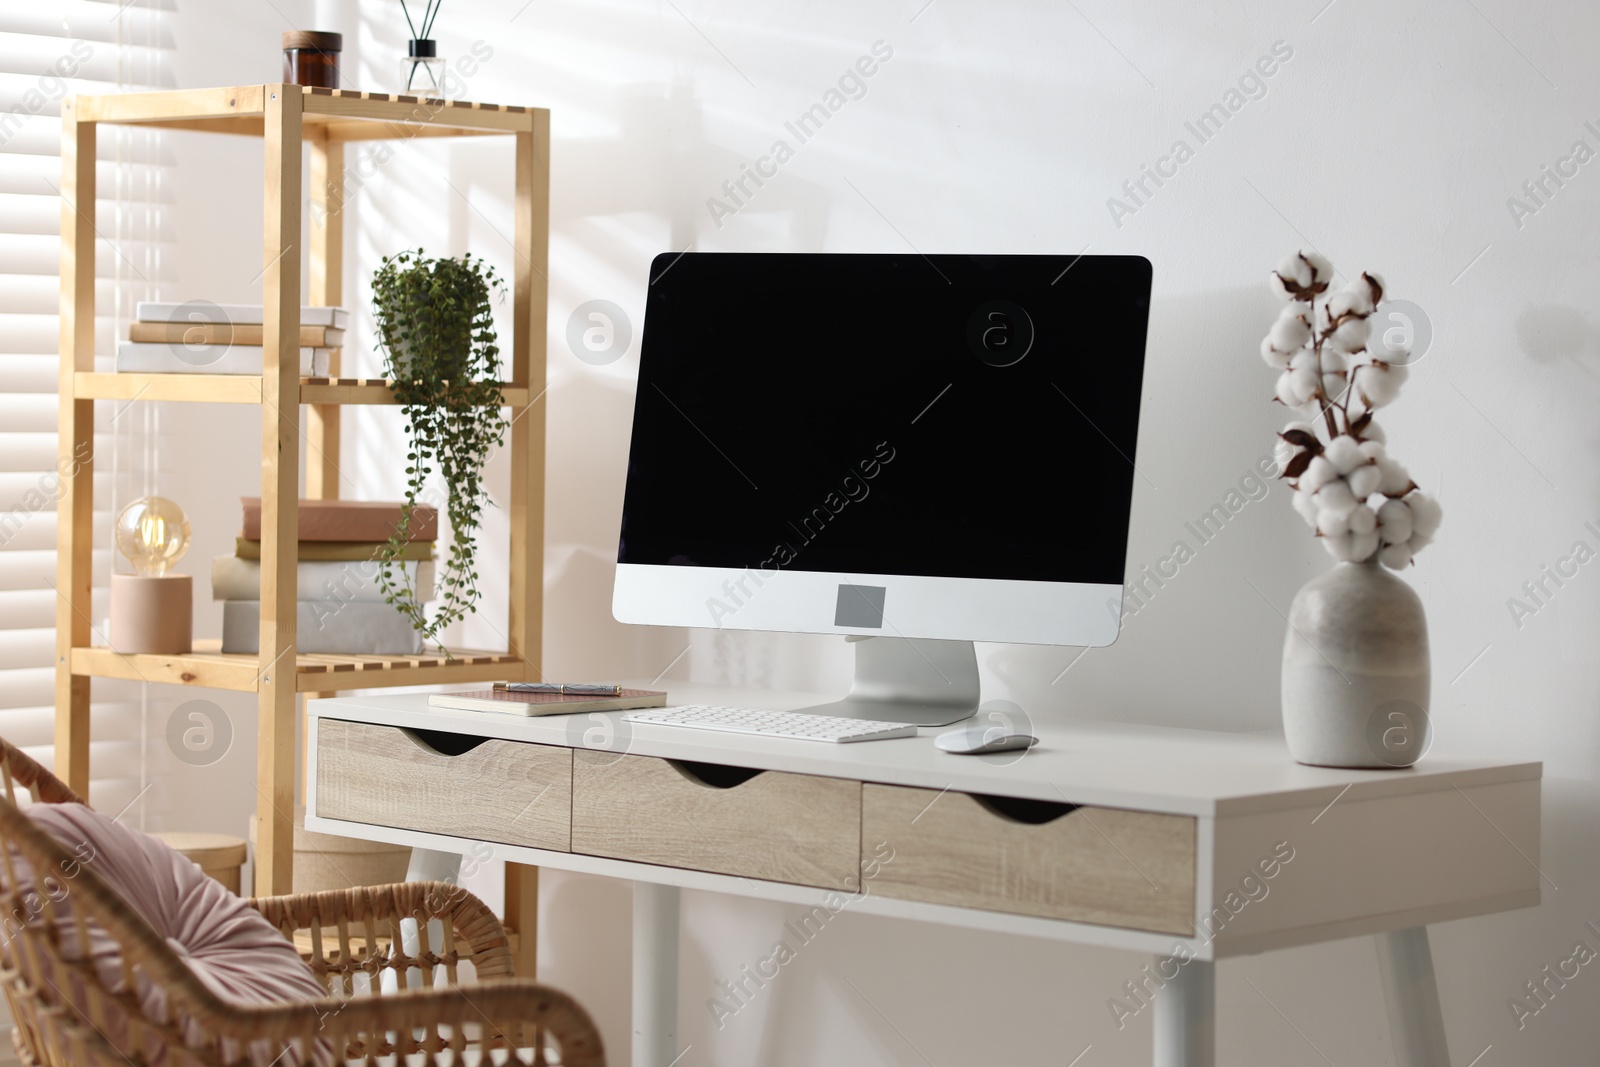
(790,724)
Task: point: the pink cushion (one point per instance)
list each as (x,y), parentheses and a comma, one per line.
(224,941)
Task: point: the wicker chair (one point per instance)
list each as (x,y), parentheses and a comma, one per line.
(66,1018)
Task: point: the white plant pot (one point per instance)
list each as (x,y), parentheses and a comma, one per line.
(1356,670)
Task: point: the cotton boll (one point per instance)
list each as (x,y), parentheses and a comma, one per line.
(1363,520)
(1394,518)
(1297,387)
(1418,542)
(1321,269)
(1291,331)
(1305,384)
(1351,335)
(1395,481)
(1364,480)
(1334,381)
(1296,270)
(1272,357)
(1318,474)
(1282,290)
(1285,390)
(1333,523)
(1284,451)
(1363,545)
(1306,505)
(1372,447)
(1396,557)
(1379,383)
(1396,354)
(1353,299)
(1360,297)
(1345,302)
(1339,547)
(1426,515)
(1336,496)
(1344,453)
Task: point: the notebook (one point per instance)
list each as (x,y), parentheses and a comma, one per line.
(511,702)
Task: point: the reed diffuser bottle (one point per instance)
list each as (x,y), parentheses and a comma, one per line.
(422,68)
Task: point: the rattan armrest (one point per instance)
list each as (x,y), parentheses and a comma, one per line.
(508,1011)
(372,914)
(19,768)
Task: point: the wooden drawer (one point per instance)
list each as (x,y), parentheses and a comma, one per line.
(1095,865)
(729,820)
(489,790)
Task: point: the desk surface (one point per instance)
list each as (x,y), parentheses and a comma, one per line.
(1376,850)
(1148,768)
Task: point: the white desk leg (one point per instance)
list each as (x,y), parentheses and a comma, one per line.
(655,975)
(1416,1023)
(426,866)
(429,866)
(1185,1018)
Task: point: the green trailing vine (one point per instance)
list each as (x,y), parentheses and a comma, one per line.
(436,329)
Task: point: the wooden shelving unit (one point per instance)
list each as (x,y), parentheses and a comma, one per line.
(293,122)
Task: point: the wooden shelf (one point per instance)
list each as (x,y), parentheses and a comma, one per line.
(245,389)
(303,132)
(381,391)
(328,114)
(208,667)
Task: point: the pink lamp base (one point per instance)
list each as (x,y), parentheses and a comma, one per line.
(153,615)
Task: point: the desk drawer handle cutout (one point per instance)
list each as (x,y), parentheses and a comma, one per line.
(713,775)
(1029,812)
(442,743)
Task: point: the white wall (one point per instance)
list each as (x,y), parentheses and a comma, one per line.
(1390,140)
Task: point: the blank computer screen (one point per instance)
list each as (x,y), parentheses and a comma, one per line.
(948,416)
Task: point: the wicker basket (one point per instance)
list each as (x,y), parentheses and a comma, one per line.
(324,861)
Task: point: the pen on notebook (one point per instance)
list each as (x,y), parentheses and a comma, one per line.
(565,688)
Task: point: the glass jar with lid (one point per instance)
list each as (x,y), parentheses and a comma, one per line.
(311,57)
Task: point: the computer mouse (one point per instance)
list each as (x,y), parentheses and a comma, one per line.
(980,740)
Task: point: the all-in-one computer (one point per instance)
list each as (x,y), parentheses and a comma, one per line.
(923,450)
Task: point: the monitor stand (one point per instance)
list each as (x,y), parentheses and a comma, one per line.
(909,680)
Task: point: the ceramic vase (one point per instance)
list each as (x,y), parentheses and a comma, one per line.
(1356,670)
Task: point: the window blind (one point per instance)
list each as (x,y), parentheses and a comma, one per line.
(50,49)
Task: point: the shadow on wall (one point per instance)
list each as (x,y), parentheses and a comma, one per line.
(662,164)
(1552,333)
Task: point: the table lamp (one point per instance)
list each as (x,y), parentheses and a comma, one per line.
(151,610)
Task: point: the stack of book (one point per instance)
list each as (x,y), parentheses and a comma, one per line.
(199,337)
(340,603)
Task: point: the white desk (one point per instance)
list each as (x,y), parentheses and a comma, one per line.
(1190,846)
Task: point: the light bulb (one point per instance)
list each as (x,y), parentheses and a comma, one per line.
(153,533)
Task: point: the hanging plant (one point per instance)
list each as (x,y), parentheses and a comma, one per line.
(436,329)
